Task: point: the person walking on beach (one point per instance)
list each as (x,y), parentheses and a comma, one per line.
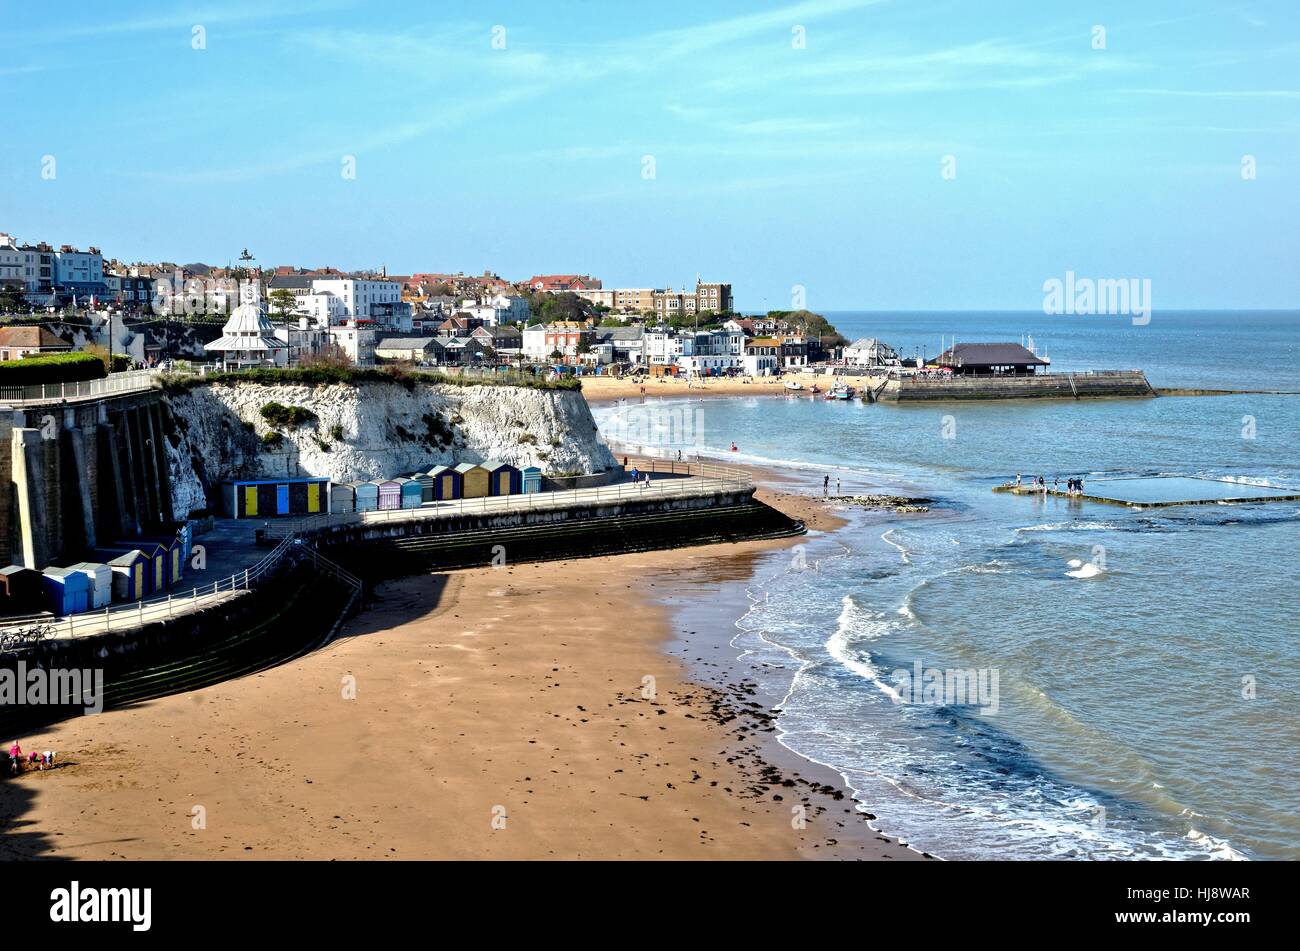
(826,484)
(1017,478)
(634,473)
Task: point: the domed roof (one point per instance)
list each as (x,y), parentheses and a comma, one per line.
(248,318)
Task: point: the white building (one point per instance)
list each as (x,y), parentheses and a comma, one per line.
(357,341)
(534,343)
(359,295)
(304,339)
(870,352)
(498,310)
(79,272)
(248,338)
(12,259)
(320,308)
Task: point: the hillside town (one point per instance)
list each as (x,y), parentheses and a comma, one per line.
(250,316)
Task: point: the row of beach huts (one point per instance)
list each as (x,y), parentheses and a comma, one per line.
(138,568)
(266,498)
(124,571)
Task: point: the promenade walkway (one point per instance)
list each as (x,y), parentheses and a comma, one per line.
(235,563)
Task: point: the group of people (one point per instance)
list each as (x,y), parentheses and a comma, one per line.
(34,759)
(638,477)
(1039,484)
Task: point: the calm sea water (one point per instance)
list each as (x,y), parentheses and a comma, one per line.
(1147,707)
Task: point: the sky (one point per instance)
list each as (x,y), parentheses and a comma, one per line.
(869,154)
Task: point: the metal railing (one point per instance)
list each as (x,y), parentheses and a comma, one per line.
(686,480)
(121,616)
(128,381)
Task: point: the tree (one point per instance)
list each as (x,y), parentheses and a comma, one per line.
(556,355)
(11,299)
(283,302)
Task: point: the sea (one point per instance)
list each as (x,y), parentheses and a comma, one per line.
(1024,677)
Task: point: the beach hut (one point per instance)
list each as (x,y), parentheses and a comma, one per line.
(186,534)
(265,498)
(66,591)
(343,497)
(101,582)
(21,590)
(173,549)
(366,494)
(412,493)
(426,485)
(503,478)
(530,478)
(129,570)
(447,483)
(473,480)
(390,495)
(155,560)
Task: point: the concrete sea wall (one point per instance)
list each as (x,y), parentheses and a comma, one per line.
(1063,386)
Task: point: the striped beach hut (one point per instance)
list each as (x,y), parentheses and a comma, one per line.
(366,495)
(530,478)
(473,480)
(66,591)
(129,570)
(343,497)
(101,582)
(390,495)
(503,478)
(412,492)
(447,483)
(426,485)
(22,590)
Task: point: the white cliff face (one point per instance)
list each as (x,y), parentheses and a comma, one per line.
(372,431)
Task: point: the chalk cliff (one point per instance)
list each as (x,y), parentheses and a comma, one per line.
(369,430)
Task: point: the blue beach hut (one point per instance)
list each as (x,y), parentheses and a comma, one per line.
(366,494)
(66,591)
(446,483)
(531,479)
(503,478)
(412,493)
(426,485)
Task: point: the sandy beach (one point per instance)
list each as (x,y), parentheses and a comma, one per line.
(496,713)
(599,389)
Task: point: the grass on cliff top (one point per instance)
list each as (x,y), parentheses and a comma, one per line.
(320,376)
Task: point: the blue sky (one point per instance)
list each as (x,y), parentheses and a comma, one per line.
(774,166)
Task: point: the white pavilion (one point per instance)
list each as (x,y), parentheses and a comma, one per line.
(248,339)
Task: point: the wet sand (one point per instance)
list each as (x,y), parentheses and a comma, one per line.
(498,713)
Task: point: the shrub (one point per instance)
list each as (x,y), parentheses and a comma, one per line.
(528,438)
(272,439)
(319,375)
(336,432)
(277,414)
(51,368)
